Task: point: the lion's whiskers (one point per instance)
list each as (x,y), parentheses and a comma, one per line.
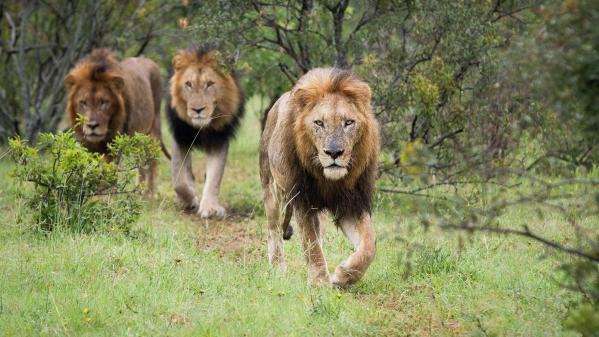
(350,163)
(316,160)
(219,116)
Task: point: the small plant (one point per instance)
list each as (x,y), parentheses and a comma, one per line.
(325,306)
(79,190)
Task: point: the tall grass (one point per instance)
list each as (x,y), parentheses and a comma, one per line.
(179,275)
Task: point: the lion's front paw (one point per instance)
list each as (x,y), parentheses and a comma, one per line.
(335,281)
(192,207)
(211,210)
(343,278)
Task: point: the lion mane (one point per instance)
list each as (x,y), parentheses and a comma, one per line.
(325,118)
(229,107)
(350,195)
(98,67)
(136,92)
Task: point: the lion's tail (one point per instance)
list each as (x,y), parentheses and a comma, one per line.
(164,150)
(288,232)
(287,228)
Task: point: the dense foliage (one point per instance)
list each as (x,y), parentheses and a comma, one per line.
(74,189)
(41,40)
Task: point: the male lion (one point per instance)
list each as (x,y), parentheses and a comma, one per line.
(115,98)
(206,107)
(319,151)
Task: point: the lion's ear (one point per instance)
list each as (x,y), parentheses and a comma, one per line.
(180,60)
(69,81)
(360,93)
(300,98)
(118,83)
(367,93)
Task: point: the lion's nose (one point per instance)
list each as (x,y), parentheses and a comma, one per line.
(93,125)
(334,153)
(198,110)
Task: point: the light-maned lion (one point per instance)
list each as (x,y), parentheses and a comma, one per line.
(319,151)
(115,98)
(205,109)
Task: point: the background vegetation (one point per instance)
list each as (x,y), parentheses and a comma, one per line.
(490,119)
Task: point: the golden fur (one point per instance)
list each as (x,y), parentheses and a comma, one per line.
(114,98)
(311,89)
(205,110)
(319,151)
(198,68)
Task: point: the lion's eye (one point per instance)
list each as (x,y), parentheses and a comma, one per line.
(319,123)
(209,84)
(83,104)
(188,85)
(349,122)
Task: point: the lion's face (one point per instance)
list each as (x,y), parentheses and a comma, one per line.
(200,88)
(97,104)
(334,126)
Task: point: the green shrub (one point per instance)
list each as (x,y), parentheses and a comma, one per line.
(75,189)
(585,320)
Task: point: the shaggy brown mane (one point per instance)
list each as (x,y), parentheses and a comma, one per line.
(316,84)
(99,68)
(115,97)
(195,56)
(229,104)
(319,152)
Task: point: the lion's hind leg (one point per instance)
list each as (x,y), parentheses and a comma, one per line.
(152,171)
(278,215)
(146,179)
(151,176)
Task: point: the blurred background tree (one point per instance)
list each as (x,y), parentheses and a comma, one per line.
(41,40)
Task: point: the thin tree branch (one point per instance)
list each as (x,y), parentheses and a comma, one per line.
(443,137)
(526,232)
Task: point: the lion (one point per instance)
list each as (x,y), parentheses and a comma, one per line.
(319,152)
(115,98)
(205,110)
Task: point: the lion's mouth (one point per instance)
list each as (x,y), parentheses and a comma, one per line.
(200,122)
(93,136)
(335,171)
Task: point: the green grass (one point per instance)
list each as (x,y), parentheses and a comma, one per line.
(179,275)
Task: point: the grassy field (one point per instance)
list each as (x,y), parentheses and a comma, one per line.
(180,275)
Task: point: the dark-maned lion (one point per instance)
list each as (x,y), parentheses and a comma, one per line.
(319,151)
(114,98)
(205,109)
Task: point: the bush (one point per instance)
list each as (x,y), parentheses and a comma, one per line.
(79,190)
